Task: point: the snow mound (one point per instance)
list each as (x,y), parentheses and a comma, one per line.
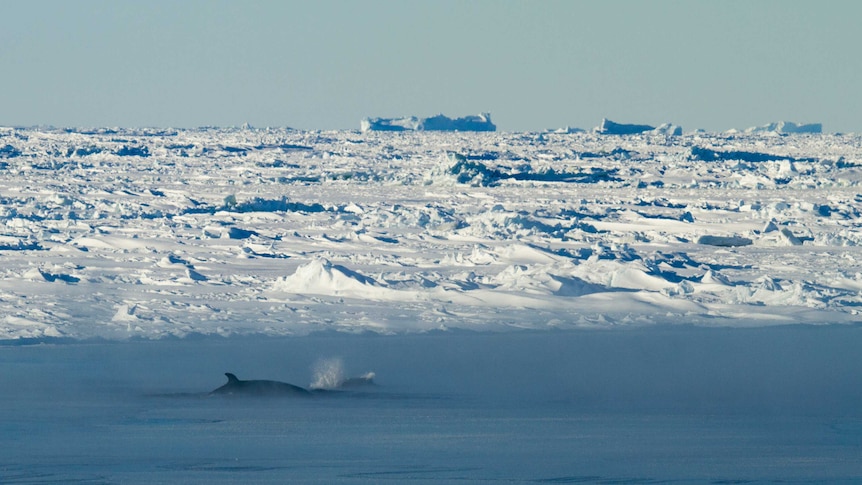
(321,277)
(11,243)
(537,280)
(13,327)
(481,122)
(37,274)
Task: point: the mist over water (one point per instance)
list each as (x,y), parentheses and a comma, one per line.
(661,404)
(328,373)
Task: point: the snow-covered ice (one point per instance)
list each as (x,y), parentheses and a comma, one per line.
(149,233)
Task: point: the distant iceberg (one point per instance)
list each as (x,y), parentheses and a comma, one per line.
(608,127)
(390,124)
(787,127)
(480,122)
(668,129)
(568,130)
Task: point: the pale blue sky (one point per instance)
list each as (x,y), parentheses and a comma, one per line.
(534,65)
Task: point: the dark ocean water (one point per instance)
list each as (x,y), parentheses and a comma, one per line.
(655,405)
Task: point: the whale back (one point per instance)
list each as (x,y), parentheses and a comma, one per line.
(236,386)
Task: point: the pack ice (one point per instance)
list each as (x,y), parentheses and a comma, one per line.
(150,233)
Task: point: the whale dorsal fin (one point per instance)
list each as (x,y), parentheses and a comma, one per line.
(231,379)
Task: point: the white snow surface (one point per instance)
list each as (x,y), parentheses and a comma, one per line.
(151,233)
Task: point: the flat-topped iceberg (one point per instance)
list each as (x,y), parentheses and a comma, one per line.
(480,122)
(608,127)
(787,127)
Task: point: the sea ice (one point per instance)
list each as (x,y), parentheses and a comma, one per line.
(145,233)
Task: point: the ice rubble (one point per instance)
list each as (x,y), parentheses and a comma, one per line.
(239,231)
(480,122)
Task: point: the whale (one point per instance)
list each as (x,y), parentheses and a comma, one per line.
(365,381)
(239,387)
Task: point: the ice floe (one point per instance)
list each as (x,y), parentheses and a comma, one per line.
(124,233)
